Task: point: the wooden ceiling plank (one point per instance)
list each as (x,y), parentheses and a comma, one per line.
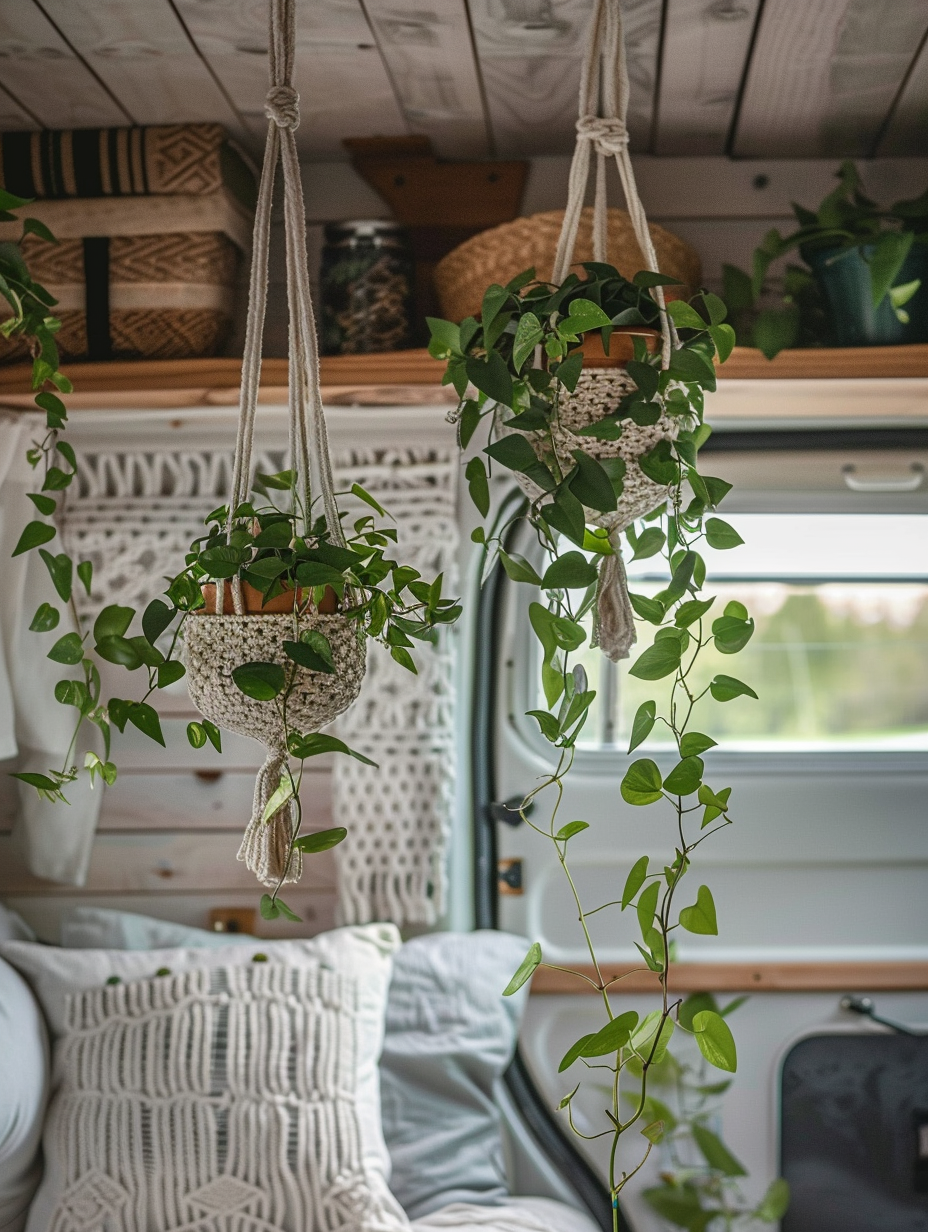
(705,47)
(823,76)
(13,115)
(530,52)
(344,88)
(145,58)
(429,57)
(32,50)
(906,131)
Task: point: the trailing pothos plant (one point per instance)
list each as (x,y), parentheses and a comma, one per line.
(273,547)
(523,358)
(700,1182)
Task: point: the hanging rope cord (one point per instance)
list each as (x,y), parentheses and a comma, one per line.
(308,440)
(604,91)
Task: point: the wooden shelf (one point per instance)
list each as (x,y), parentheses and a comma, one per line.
(400,378)
(747,977)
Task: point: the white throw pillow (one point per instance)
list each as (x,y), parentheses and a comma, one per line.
(13,927)
(102,928)
(228,1093)
(23,1092)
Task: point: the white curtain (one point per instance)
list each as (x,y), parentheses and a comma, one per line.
(54,840)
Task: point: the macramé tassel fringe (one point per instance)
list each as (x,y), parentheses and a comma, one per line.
(265,846)
(614,630)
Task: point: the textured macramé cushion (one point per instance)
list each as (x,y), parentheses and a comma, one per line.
(229,1094)
(23,1092)
(449,1036)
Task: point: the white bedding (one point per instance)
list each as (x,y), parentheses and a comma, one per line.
(513,1215)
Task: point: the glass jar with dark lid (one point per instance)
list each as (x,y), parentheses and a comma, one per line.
(366,283)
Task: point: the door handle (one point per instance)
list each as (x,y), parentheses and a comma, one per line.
(885,483)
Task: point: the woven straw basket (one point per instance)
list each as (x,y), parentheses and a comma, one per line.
(502,252)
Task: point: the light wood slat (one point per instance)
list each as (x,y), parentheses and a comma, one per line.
(344,87)
(705,46)
(315,907)
(143,55)
(531,71)
(747,977)
(197,801)
(906,132)
(43,72)
(191,801)
(165,862)
(823,76)
(429,56)
(134,751)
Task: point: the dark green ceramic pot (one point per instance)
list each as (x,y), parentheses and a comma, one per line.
(843,276)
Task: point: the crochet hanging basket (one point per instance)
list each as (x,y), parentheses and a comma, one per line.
(502,252)
(215,646)
(598,393)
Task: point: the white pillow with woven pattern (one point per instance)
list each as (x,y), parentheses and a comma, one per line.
(223,1095)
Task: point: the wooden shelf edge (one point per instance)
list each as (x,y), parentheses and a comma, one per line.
(847,363)
(746,977)
(366,379)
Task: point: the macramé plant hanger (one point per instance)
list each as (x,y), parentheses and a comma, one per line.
(601,128)
(217,645)
(597,449)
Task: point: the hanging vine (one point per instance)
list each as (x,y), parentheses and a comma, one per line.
(524,359)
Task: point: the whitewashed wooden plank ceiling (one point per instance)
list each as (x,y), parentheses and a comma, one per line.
(750,78)
(824,76)
(705,49)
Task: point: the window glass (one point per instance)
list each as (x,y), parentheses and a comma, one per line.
(839,658)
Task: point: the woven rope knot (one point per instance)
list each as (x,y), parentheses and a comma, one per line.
(608,135)
(282,105)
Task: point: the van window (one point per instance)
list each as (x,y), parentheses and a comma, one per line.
(840,653)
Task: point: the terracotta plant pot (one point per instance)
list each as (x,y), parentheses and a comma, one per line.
(621,346)
(255,604)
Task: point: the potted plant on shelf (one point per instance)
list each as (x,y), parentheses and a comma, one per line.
(864,281)
(276,601)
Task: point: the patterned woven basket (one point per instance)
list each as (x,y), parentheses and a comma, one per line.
(502,252)
(170,296)
(214,647)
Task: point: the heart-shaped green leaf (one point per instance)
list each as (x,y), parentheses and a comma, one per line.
(701,917)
